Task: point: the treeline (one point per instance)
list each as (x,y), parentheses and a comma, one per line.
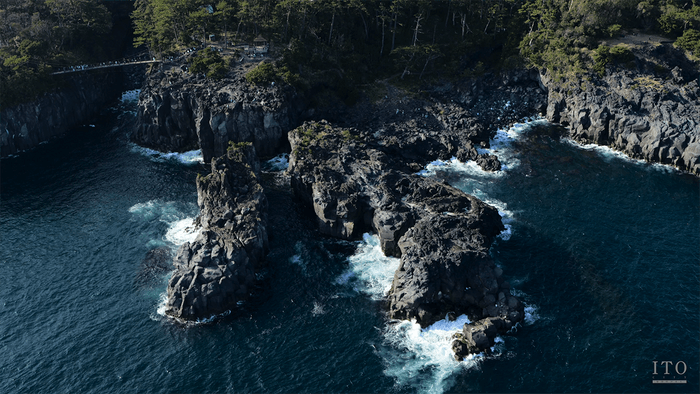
(38,35)
(338,44)
(359,39)
(563,35)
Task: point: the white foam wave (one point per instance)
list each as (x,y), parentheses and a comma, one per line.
(531,310)
(507,233)
(160,315)
(423,358)
(181,227)
(150,209)
(470,169)
(298,257)
(182,231)
(507,219)
(130,95)
(190,157)
(608,154)
(318,309)
(373,271)
(531,314)
(279,162)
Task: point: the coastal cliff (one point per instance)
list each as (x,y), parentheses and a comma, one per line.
(179,111)
(26,125)
(650,112)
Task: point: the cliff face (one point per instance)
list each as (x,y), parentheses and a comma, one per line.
(180,112)
(217,270)
(26,125)
(647,116)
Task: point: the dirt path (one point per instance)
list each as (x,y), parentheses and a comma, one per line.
(637,38)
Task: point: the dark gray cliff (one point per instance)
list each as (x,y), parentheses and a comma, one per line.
(179,111)
(354,183)
(25,126)
(217,270)
(648,113)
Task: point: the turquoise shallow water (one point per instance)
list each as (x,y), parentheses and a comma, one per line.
(603,250)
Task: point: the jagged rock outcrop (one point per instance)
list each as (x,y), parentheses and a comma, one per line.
(217,270)
(179,111)
(25,126)
(354,184)
(644,115)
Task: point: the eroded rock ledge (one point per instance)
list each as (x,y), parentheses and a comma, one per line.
(217,270)
(179,111)
(356,182)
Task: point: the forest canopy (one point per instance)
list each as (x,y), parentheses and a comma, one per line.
(337,44)
(37,36)
(363,39)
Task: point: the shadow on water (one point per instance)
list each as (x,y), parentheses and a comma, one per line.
(606,249)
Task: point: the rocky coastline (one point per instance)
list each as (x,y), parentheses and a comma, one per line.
(217,270)
(24,126)
(179,111)
(360,180)
(650,112)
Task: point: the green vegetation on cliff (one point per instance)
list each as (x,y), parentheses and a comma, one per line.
(336,45)
(38,36)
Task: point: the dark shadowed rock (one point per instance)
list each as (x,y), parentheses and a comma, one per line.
(441,234)
(178,112)
(25,126)
(217,270)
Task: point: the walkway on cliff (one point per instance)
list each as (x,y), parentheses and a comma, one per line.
(87,67)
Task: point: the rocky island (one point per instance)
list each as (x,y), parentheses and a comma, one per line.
(217,270)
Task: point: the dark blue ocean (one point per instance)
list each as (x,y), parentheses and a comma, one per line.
(604,251)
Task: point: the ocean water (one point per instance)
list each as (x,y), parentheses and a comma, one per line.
(602,249)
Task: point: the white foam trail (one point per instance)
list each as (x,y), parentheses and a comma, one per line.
(608,154)
(165,211)
(370,268)
(130,96)
(190,157)
(298,258)
(182,231)
(150,209)
(279,162)
(507,219)
(425,359)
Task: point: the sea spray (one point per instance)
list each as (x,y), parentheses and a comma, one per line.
(277,163)
(421,358)
(178,216)
(369,270)
(188,158)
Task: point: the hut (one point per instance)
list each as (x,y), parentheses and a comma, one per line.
(260,44)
